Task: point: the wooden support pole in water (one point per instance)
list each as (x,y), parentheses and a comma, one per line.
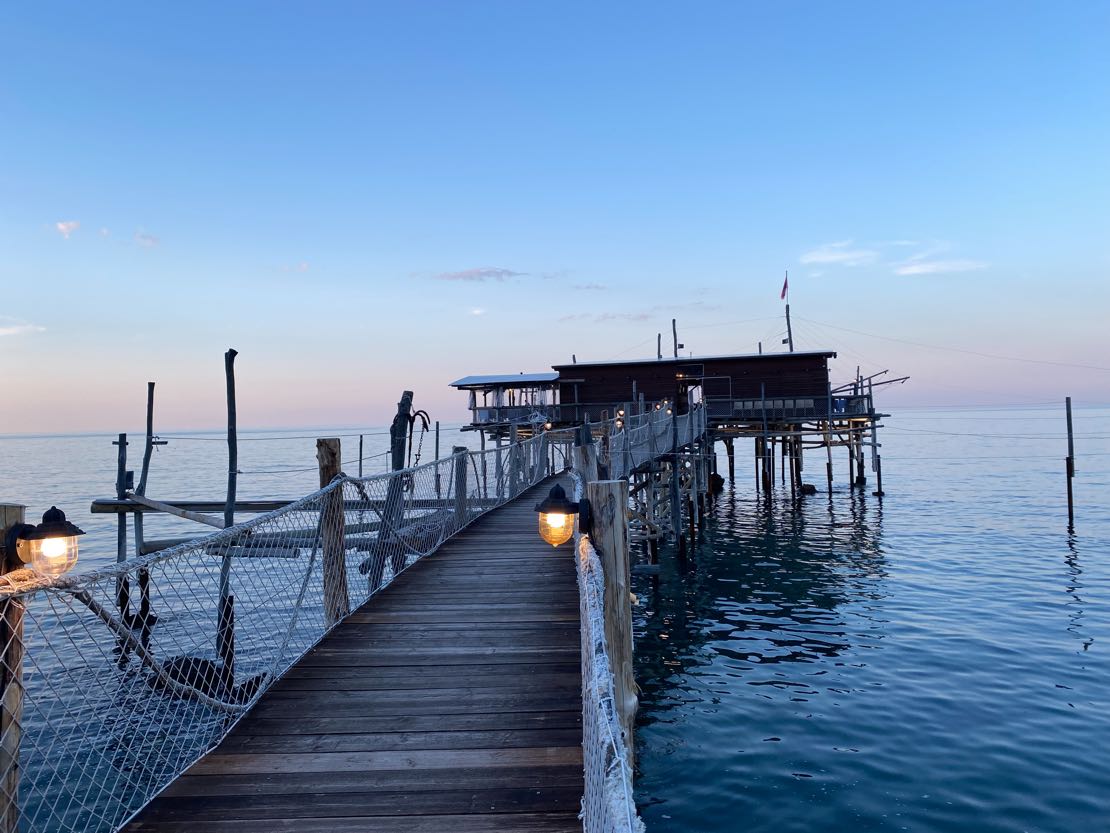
(1070,468)
(758,453)
(876,458)
(121,493)
(225,627)
(459,454)
(730,450)
(608,508)
(794,468)
(332,521)
(783,443)
(148,451)
(11,678)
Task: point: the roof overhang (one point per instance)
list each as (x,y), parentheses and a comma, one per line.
(506,380)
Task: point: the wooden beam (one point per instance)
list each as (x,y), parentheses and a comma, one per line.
(159,506)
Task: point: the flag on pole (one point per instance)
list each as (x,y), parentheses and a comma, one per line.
(785,287)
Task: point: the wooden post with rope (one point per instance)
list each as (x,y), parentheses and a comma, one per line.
(332,521)
(11,678)
(460,456)
(609,534)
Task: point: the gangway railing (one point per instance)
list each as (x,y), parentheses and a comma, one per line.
(119,679)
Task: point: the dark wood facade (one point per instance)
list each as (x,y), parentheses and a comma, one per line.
(589,388)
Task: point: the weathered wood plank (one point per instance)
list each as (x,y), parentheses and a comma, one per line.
(477,823)
(450,702)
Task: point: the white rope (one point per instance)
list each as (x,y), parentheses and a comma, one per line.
(608,805)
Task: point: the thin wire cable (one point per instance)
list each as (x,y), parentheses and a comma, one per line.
(961,350)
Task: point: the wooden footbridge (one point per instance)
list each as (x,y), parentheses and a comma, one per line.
(400,652)
(450,701)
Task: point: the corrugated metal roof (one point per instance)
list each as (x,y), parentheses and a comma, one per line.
(696,359)
(507,380)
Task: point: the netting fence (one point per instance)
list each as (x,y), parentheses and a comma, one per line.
(608,805)
(636,440)
(116,681)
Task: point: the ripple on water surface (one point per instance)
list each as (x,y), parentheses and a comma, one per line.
(933,664)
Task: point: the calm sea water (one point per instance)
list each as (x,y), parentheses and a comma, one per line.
(72,470)
(936,662)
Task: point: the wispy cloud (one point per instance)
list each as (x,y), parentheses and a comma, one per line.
(480,275)
(842,253)
(477,311)
(938,267)
(932,257)
(14,327)
(147,241)
(589,287)
(67,227)
(104,231)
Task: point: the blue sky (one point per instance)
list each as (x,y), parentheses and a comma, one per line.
(365,197)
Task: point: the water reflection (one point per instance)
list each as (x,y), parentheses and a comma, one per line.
(1074,584)
(762,589)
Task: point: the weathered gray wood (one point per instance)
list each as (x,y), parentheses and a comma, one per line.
(225,623)
(460,711)
(585,454)
(159,506)
(461,457)
(121,491)
(608,508)
(11,679)
(332,533)
(148,451)
(1069,468)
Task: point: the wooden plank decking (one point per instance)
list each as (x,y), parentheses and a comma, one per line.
(449,702)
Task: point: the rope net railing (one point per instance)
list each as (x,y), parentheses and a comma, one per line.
(637,440)
(116,681)
(608,805)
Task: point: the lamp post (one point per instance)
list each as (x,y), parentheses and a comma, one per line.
(49,549)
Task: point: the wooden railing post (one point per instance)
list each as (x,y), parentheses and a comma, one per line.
(609,535)
(337,602)
(585,454)
(514,461)
(11,679)
(459,452)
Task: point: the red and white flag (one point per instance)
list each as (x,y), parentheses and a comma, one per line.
(785,287)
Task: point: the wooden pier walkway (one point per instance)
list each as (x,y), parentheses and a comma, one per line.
(450,702)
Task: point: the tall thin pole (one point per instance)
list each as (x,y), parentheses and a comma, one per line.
(148,451)
(789,329)
(1070,463)
(659,346)
(674,335)
(225,636)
